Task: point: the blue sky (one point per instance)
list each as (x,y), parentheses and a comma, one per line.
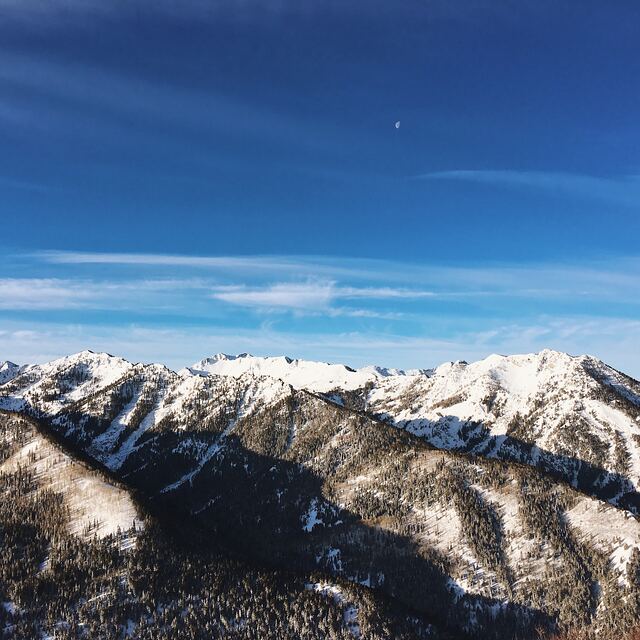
(177,180)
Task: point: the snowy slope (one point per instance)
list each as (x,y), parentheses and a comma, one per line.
(574,407)
(560,408)
(301,374)
(60,382)
(548,407)
(8,370)
(95,505)
(108,405)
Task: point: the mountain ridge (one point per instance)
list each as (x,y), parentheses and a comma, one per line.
(492,407)
(461,477)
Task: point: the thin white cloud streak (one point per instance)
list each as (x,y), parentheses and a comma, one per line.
(22,185)
(311,296)
(180,295)
(347,312)
(249,265)
(52,14)
(166,260)
(117,94)
(615,340)
(617,280)
(68,294)
(75,10)
(382,293)
(619,189)
(41,293)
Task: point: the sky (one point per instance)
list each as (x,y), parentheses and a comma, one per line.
(182,179)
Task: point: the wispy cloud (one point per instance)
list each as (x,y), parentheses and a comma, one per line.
(250,265)
(385,279)
(167,260)
(300,296)
(352,310)
(186,296)
(117,97)
(620,189)
(81,293)
(86,9)
(311,296)
(7,182)
(46,14)
(41,293)
(383,293)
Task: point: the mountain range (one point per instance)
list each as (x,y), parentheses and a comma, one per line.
(492,499)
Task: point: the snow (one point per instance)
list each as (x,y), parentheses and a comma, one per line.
(601,414)
(116,460)
(129,629)
(301,374)
(351,620)
(614,379)
(555,391)
(9,607)
(331,559)
(440,405)
(326,589)
(551,389)
(211,452)
(311,519)
(96,506)
(446,405)
(106,442)
(255,393)
(8,370)
(611,530)
(100,370)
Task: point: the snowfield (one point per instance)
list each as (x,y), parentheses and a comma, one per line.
(96,506)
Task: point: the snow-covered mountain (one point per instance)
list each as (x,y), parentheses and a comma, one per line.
(403,481)
(301,374)
(573,416)
(8,370)
(55,384)
(548,409)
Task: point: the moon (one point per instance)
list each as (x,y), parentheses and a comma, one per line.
(398,124)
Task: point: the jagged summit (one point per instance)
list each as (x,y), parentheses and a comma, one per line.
(520,376)
(8,370)
(223,357)
(83,373)
(308,374)
(515,370)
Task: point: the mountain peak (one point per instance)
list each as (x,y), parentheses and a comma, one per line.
(87,355)
(8,370)
(225,357)
(307,374)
